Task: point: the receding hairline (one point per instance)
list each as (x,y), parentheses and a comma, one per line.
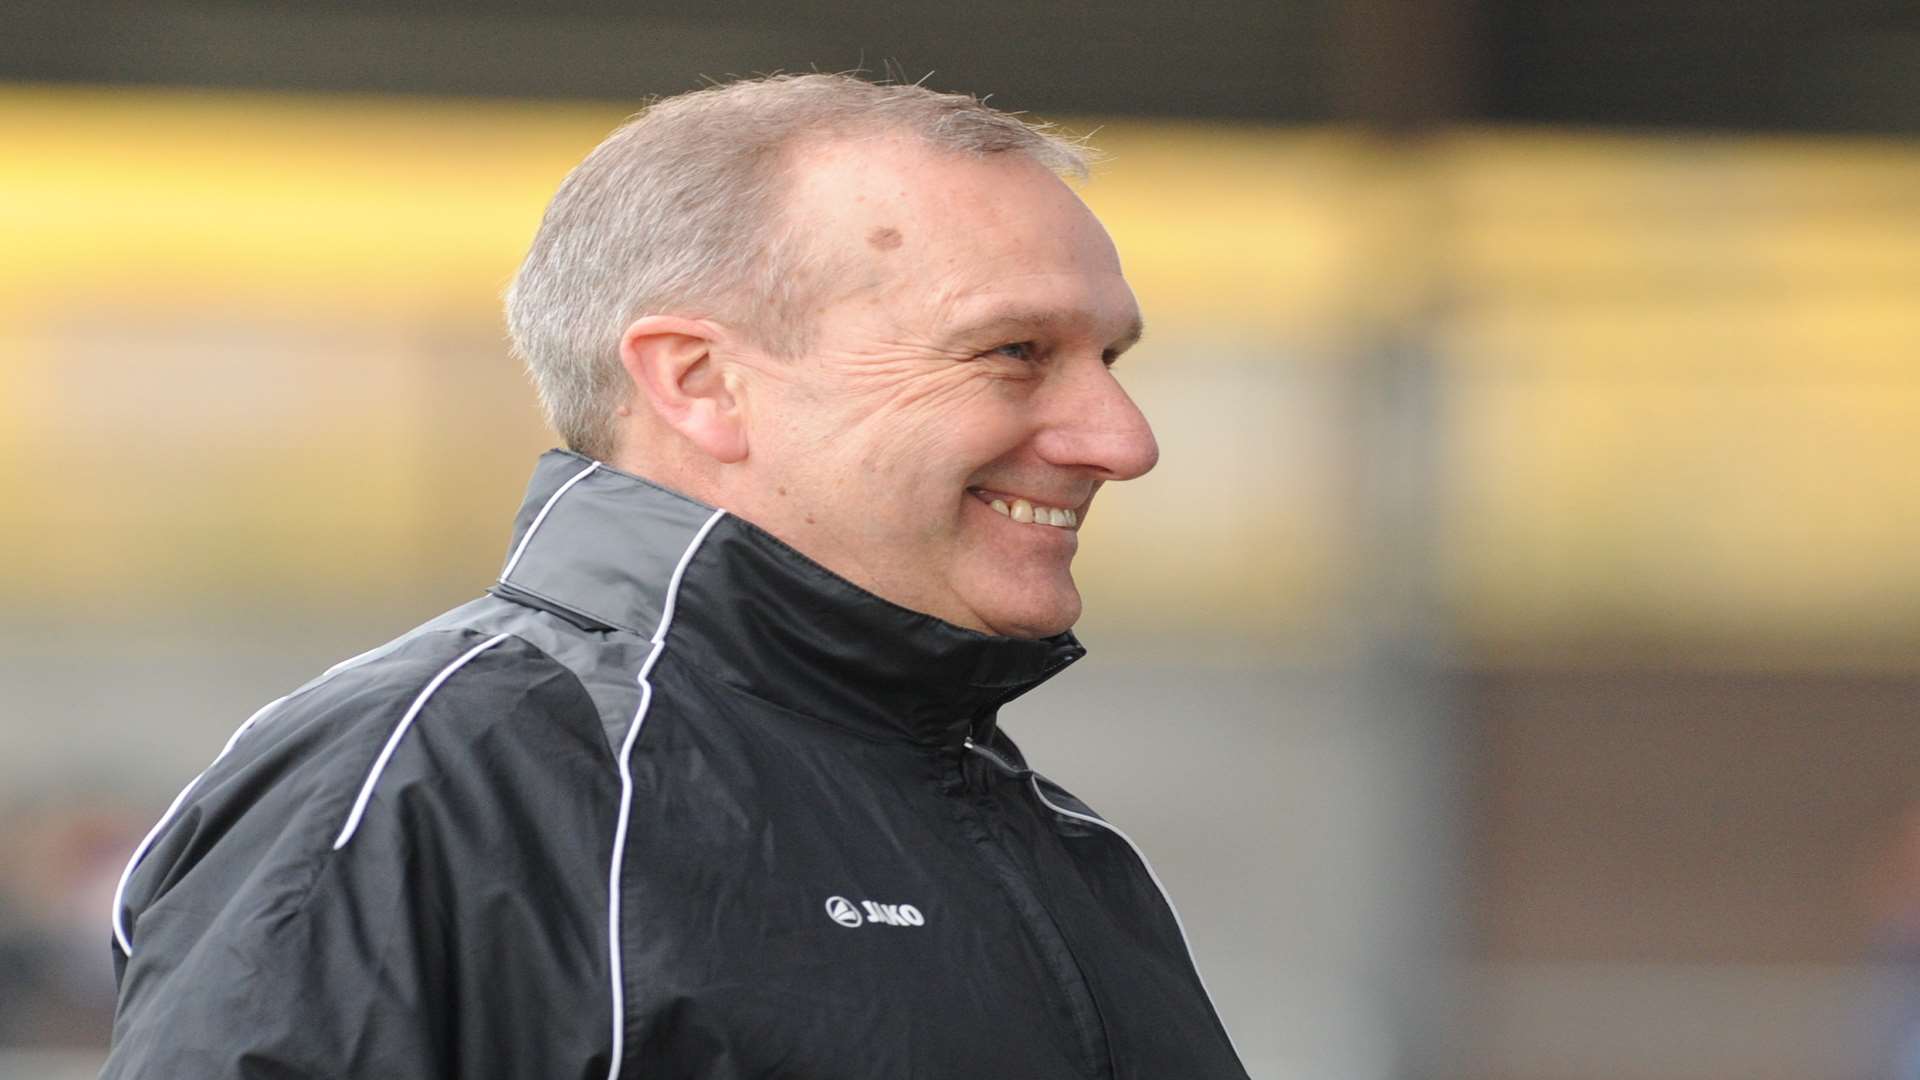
(686,206)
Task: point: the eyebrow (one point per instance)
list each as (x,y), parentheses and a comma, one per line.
(1034,321)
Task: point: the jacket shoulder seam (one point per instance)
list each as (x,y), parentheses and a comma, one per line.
(324,857)
(400,729)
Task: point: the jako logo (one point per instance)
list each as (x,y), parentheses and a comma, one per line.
(841,910)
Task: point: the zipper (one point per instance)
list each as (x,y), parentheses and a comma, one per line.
(999,762)
(1033,779)
(1088,1027)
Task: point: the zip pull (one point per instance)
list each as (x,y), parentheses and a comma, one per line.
(999,762)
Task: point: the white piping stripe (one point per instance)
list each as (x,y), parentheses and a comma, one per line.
(120,891)
(1034,779)
(393,741)
(120,935)
(626,794)
(521,548)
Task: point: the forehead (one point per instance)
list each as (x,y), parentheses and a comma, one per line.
(930,234)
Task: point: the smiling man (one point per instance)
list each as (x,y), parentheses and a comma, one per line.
(710,784)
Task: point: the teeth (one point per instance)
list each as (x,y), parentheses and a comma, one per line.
(1026,512)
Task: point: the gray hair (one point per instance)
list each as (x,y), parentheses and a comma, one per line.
(680,210)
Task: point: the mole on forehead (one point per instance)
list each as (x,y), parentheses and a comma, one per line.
(884,237)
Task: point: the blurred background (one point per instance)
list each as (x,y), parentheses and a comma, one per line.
(1511,666)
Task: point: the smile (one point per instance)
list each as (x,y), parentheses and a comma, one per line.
(1028,512)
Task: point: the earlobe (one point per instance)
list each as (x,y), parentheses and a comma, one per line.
(676,371)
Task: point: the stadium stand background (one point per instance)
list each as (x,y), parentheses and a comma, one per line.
(1511,666)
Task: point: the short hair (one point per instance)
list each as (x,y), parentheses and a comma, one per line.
(681,209)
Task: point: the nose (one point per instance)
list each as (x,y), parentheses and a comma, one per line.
(1094,425)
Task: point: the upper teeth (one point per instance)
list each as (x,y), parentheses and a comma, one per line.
(1022,510)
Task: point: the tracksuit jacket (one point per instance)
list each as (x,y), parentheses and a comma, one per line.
(672,800)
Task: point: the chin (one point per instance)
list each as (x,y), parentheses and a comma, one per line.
(1035,620)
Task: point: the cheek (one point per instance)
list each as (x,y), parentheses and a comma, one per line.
(945,431)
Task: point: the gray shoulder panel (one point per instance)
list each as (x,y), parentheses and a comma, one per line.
(601,542)
(588,574)
(607,663)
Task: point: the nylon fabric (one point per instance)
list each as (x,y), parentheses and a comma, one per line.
(818,878)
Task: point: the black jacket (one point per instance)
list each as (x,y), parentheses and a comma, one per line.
(671,801)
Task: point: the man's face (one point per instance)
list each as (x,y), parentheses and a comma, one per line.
(959,356)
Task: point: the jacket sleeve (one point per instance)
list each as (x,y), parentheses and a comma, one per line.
(306,971)
(445,933)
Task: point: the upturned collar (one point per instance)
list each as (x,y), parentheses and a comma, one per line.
(614,552)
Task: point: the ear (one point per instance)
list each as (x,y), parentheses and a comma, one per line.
(671,361)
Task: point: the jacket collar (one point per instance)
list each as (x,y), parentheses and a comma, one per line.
(602,548)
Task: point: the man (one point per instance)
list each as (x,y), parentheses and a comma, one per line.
(710,785)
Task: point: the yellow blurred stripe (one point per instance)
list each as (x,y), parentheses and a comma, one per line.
(347,200)
(252,338)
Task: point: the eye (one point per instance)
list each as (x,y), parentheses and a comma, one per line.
(1015,350)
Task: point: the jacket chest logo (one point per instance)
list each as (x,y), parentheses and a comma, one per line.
(847,914)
